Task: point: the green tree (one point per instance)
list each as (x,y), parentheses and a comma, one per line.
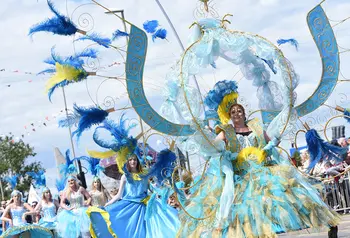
(13,156)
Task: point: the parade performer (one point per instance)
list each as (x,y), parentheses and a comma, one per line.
(48,208)
(73,221)
(17,211)
(261,194)
(99,195)
(132,212)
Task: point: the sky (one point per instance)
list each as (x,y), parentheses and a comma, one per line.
(24,102)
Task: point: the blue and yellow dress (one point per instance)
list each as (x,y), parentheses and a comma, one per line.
(74,223)
(49,216)
(126,218)
(20,226)
(269,197)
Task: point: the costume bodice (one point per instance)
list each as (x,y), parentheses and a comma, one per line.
(97,199)
(76,199)
(135,190)
(236,142)
(16,215)
(48,211)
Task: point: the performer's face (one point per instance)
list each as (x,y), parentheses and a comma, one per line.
(97,183)
(47,194)
(237,114)
(16,198)
(132,163)
(71,183)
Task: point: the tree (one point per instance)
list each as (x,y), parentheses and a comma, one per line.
(13,156)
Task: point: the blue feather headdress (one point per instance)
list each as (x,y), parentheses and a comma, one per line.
(321,150)
(221,98)
(39,178)
(12,181)
(94,165)
(120,145)
(163,169)
(68,167)
(60,184)
(84,118)
(292,41)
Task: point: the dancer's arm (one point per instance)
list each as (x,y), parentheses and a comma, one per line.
(119,195)
(86,195)
(4,218)
(63,205)
(30,209)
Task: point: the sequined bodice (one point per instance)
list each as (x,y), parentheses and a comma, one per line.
(48,211)
(16,215)
(97,199)
(76,199)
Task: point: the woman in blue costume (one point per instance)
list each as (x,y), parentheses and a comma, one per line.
(73,221)
(48,208)
(18,225)
(128,210)
(260,194)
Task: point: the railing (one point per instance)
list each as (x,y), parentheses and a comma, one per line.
(337,194)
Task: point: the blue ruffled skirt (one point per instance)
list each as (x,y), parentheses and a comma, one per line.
(34,231)
(73,223)
(268,200)
(126,219)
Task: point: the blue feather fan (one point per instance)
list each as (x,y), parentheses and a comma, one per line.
(164,166)
(117,34)
(87,116)
(119,132)
(60,24)
(94,164)
(150,26)
(103,41)
(321,150)
(12,180)
(39,178)
(60,184)
(292,41)
(160,33)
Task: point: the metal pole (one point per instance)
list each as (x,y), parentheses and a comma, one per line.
(181,45)
(2,190)
(80,171)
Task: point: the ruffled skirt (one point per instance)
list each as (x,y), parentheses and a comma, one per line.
(126,219)
(28,230)
(73,223)
(268,200)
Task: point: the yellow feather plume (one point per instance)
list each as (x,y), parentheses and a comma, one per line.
(63,72)
(122,158)
(251,153)
(101,155)
(225,105)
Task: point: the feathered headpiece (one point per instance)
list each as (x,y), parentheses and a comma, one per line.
(67,70)
(152,28)
(68,168)
(122,145)
(12,181)
(164,167)
(221,98)
(60,184)
(39,178)
(94,165)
